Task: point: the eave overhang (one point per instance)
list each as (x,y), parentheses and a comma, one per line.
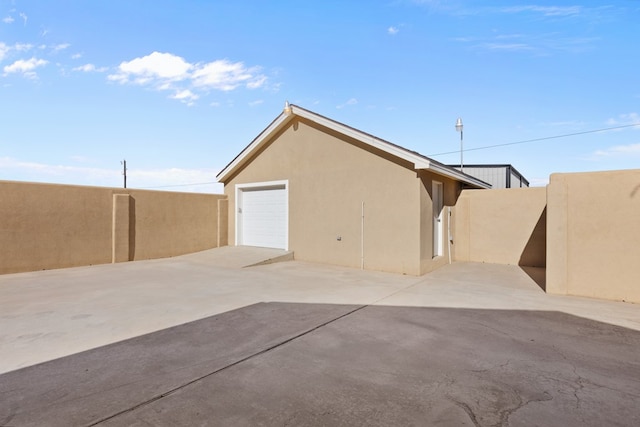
(419,161)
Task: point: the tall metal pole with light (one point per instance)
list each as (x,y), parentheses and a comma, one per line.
(124,171)
(459,129)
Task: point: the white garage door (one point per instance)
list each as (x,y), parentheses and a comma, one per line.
(262,216)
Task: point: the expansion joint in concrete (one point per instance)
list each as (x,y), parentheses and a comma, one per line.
(230,365)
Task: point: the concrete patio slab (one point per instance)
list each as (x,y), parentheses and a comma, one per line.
(325,364)
(49,314)
(191,340)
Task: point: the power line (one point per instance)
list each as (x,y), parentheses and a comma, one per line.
(182,185)
(536,139)
(453,152)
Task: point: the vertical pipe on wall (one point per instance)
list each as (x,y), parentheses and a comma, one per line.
(362,238)
(449,238)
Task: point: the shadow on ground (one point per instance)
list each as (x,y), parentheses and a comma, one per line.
(537,274)
(314,364)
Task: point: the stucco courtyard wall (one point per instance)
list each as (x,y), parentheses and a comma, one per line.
(593,235)
(503,226)
(47,226)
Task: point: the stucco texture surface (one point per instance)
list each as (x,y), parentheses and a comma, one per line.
(506,226)
(349,204)
(50,226)
(593,235)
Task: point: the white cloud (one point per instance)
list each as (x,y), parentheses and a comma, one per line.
(226,76)
(625,119)
(88,68)
(546,10)
(165,71)
(351,101)
(576,124)
(4,50)
(256,103)
(185,96)
(156,66)
(619,151)
(18,47)
(541,44)
(258,82)
(26,67)
(8,20)
(24,17)
(59,47)
(507,46)
(23,47)
(76,56)
(393,30)
(41,172)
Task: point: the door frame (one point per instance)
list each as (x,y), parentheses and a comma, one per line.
(437,200)
(266,185)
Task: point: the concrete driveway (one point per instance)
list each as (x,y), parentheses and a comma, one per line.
(470,344)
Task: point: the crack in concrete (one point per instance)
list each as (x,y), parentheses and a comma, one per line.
(504,418)
(466,408)
(504,415)
(579,380)
(576,390)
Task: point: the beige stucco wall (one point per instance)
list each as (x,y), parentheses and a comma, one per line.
(503,226)
(451,190)
(330,176)
(46,226)
(171,223)
(594,235)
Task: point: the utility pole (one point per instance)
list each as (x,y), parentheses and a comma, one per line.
(124,172)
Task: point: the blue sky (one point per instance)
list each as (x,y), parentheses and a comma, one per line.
(178,88)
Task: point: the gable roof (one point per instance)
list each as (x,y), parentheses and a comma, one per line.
(419,161)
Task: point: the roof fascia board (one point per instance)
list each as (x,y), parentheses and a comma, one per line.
(418,161)
(452,173)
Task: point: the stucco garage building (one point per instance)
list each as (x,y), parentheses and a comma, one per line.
(333,194)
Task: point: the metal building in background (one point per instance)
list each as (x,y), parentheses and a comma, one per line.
(499,176)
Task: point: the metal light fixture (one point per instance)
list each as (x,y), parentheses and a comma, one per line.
(459,129)
(124,171)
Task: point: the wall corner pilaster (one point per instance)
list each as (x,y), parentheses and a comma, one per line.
(120,246)
(557,236)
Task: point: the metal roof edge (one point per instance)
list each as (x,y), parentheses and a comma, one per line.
(402,153)
(419,161)
(460,176)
